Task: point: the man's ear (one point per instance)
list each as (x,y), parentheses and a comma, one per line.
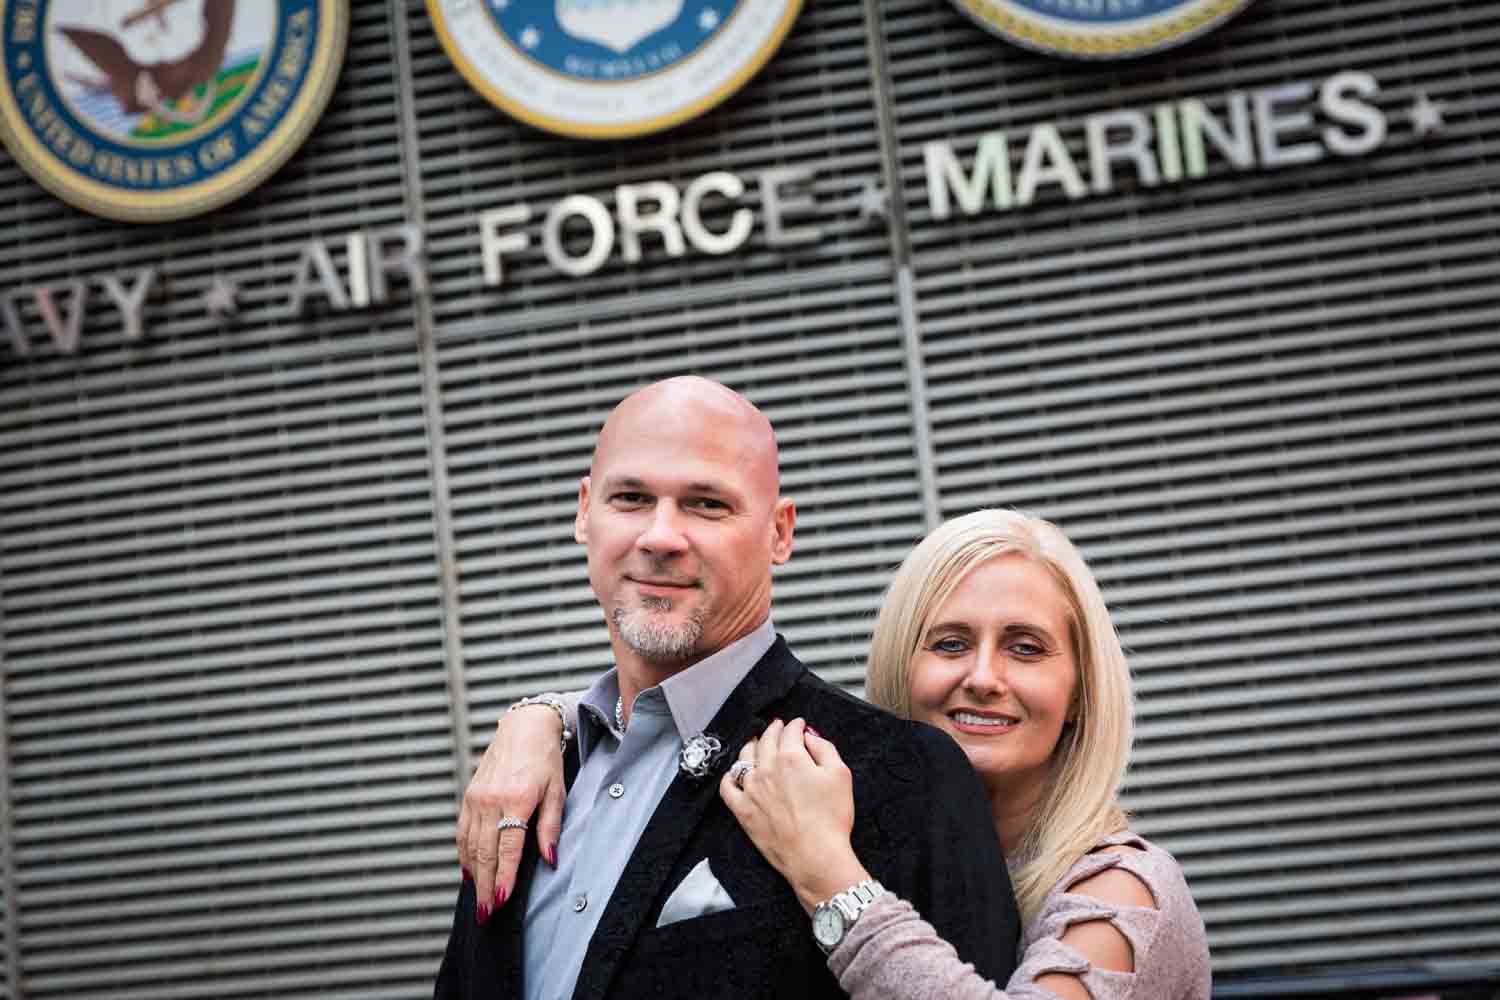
(581,519)
(783,522)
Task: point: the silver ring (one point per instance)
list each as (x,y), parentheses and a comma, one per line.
(738,770)
(506,823)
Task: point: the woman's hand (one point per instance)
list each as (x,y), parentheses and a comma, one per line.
(521,769)
(797,806)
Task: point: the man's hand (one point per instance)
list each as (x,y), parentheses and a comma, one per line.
(521,769)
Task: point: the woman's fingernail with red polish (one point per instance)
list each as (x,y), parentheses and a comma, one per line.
(484,914)
(467,876)
(552,855)
(501,895)
(815,732)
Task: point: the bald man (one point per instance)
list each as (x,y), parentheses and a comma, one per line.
(652,889)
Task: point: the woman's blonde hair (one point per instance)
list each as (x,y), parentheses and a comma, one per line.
(1081,804)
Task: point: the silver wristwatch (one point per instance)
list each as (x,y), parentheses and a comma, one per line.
(832,920)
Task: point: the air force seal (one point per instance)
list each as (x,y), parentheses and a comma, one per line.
(150,110)
(1100,29)
(609,68)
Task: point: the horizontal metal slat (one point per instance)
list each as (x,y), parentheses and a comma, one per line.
(264,340)
(1165,689)
(1201,570)
(1203,863)
(133,852)
(1207,502)
(1245,384)
(1326,684)
(375,695)
(205,628)
(1247,276)
(556,317)
(265,517)
(46,674)
(361,739)
(139,940)
(234,477)
(1115,556)
(429,777)
(171,606)
(1214,246)
(283,450)
(173,889)
(295,375)
(1267,886)
(1385,897)
(206,568)
(1134,458)
(1318,628)
(1230,722)
(1136,518)
(1168,782)
(1466,309)
(1312,733)
(317,486)
(287,762)
(231,818)
(1358,934)
(256,969)
(1334,811)
(389,714)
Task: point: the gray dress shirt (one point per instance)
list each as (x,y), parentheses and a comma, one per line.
(620,781)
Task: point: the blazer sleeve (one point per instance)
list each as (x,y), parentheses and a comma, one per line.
(952,869)
(453,973)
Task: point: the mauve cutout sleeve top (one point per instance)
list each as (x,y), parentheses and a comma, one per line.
(891,953)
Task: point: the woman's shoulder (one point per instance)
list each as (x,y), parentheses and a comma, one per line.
(1128,889)
(1127,850)
(1124,869)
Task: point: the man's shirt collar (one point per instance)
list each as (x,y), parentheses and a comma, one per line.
(693,696)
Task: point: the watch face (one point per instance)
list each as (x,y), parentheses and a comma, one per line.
(828,926)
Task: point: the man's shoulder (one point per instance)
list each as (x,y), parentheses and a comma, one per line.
(864,732)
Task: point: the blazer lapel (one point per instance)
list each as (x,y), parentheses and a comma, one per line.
(677,816)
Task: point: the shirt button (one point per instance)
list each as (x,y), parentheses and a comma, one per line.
(579,902)
(616,790)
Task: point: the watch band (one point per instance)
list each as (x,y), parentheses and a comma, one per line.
(853,900)
(844,909)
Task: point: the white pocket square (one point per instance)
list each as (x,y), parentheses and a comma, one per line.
(698,895)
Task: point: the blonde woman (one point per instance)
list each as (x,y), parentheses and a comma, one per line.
(994,631)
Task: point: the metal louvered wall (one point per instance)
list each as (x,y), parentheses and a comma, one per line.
(229,744)
(1265,407)
(530,370)
(237,563)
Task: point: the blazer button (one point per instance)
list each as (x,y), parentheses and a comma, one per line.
(579,902)
(616,790)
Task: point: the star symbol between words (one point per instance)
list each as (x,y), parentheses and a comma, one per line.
(219,299)
(709,19)
(530,37)
(1426,116)
(872,202)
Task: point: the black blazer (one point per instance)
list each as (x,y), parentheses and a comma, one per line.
(922,827)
